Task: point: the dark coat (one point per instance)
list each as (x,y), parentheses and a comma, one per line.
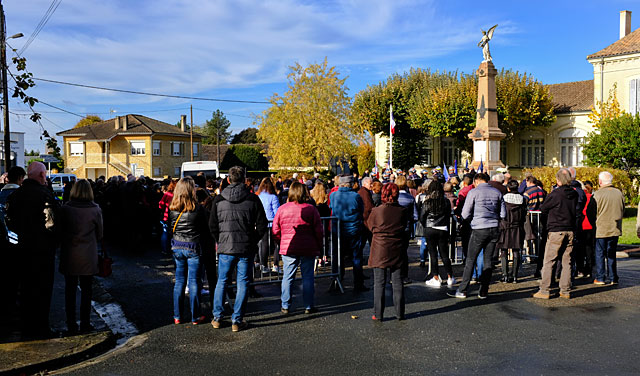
(560,209)
(512,233)
(237,221)
(190,228)
(80,228)
(367,201)
(377,199)
(26,216)
(387,223)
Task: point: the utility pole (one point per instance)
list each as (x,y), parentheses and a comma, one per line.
(191,132)
(5,90)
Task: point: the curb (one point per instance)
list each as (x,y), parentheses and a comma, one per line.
(90,345)
(627,250)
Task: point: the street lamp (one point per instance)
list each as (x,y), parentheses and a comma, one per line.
(5,89)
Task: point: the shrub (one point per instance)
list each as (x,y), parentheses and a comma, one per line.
(250,157)
(621,180)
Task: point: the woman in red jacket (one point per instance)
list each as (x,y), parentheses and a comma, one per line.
(298,228)
(387,223)
(163,206)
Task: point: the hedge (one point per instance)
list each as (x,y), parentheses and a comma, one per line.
(547,175)
(250,157)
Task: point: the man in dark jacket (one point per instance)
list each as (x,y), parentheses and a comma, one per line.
(237,222)
(30,214)
(560,208)
(485,207)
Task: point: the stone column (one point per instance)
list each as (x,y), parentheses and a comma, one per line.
(487,135)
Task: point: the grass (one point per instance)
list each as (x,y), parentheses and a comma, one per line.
(629,231)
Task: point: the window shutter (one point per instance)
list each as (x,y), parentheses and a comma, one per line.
(633,107)
(637,106)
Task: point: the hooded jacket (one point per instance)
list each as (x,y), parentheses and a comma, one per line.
(560,207)
(238,221)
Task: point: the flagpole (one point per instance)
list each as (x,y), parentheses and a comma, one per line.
(390,139)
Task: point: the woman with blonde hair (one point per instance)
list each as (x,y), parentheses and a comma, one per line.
(188,223)
(81,230)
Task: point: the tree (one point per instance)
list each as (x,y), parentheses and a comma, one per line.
(309,124)
(615,144)
(250,157)
(606,110)
(88,120)
(246,136)
(216,130)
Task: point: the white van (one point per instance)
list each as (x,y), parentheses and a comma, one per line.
(210,168)
(59,180)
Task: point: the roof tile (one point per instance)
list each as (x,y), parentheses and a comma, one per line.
(572,96)
(627,45)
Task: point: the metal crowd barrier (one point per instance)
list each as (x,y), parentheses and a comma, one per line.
(455,244)
(532,247)
(272,272)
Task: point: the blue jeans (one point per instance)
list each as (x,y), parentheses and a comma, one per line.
(479,265)
(187,269)
(606,248)
(290,266)
(226,264)
(423,248)
(165,238)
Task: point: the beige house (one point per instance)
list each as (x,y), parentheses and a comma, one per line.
(130,144)
(616,67)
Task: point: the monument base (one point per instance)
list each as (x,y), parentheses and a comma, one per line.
(487,152)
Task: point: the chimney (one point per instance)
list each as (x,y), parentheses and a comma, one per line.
(625,23)
(117,121)
(125,122)
(183,123)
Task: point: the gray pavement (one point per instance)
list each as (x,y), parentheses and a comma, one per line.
(508,333)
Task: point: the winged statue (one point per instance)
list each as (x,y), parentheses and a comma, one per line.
(484,42)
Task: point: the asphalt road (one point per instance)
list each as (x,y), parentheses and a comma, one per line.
(597,332)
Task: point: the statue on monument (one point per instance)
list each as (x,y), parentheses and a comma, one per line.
(484,42)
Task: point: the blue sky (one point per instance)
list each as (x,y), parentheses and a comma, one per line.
(241,49)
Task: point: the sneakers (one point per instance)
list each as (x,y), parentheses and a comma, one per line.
(285,311)
(199,320)
(597,282)
(238,326)
(310,310)
(540,295)
(434,282)
(457,294)
(451,281)
(215,323)
(374,318)
(176,321)
(481,295)
(565,295)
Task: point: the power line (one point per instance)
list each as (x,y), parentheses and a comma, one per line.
(61,109)
(47,16)
(226,114)
(150,94)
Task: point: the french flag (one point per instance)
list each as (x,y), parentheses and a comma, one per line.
(392,122)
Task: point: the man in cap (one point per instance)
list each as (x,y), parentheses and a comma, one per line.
(347,205)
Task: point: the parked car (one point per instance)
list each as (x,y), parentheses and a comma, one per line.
(58,182)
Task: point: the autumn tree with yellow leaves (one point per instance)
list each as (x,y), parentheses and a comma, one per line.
(309,124)
(608,110)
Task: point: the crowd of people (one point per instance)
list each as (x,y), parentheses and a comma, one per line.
(221,227)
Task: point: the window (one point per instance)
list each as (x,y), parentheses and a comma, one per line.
(449,152)
(156,148)
(157,171)
(571,147)
(177,149)
(571,151)
(76,148)
(532,152)
(195,149)
(503,152)
(176,171)
(137,148)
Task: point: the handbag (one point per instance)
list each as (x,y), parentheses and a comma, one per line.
(104,264)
